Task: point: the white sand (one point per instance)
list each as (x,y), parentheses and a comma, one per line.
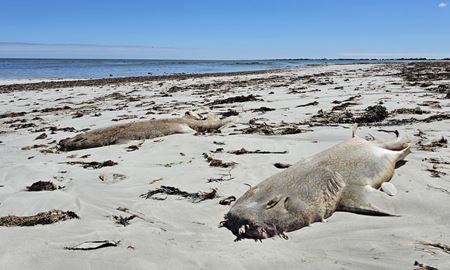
(178,234)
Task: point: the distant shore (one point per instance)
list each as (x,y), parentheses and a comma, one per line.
(50,84)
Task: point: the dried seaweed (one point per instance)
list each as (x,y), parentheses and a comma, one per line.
(443,247)
(217,162)
(439,143)
(195,197)
(42,185)
(42,218)
(91,245)
(421,266)
(93,164)
(125,221)
(235,99)
(243,151)
(314,103)
(227,200)
(281,165)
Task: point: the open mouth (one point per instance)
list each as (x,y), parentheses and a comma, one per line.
(249,230)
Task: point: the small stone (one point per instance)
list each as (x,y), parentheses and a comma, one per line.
(389,189)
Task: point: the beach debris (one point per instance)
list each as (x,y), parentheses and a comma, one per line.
(243,151)
(125,221)
(168,190)
(291,130)
(12,114)
(43,186)
(135,147)
(281,165)
(343,106)
(228,113)
(412,120)
(41,137)
(433,104)
(223,178)
(91,245)
(34,146)
(443,247)
(263,109)
(314,103)
(352,98)
(260,128)
(42,218)
(124,117)
(227,200)
(438,143)
(376,113)
(236,99)
(416,110)
(213,162)
(115,177)
(390,131)
(156,180)
(421,266)
(435,172)
(93,164)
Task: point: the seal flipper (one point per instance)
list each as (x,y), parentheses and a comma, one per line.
(364,200)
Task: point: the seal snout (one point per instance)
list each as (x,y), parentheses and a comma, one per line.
(246,229)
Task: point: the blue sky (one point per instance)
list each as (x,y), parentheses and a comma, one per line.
(224,29)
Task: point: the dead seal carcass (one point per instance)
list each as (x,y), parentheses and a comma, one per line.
(189,123)
(344,177)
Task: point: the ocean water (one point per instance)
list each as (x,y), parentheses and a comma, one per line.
(102,68)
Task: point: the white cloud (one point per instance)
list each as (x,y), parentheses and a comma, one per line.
(442,5)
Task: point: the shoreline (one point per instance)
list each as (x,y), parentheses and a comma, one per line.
(44,83)
(63,83)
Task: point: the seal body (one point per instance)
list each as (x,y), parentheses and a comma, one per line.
(345,177)
(141,130)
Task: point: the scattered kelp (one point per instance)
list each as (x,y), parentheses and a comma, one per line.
(443,247)
(43,186)
(412,120)
(421,266)
(418,73)
(236,99)
(41,137)
(343,106)
(314,103)
(227,200)
(217,162)
(432,146)
(373,114)
(93,164)
(12,114)
(42,218)
(173,191)
(416,110)
(243,151)
(91,245)
(263,109)
(281,165)
(125,221)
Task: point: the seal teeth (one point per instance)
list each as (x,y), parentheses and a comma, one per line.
(242,230)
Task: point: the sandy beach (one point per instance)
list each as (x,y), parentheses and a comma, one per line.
(290,113)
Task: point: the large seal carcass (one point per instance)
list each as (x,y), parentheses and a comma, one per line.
(344,177)
(190,122)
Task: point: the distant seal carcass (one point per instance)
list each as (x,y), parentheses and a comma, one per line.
(190,122)
(345,177)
